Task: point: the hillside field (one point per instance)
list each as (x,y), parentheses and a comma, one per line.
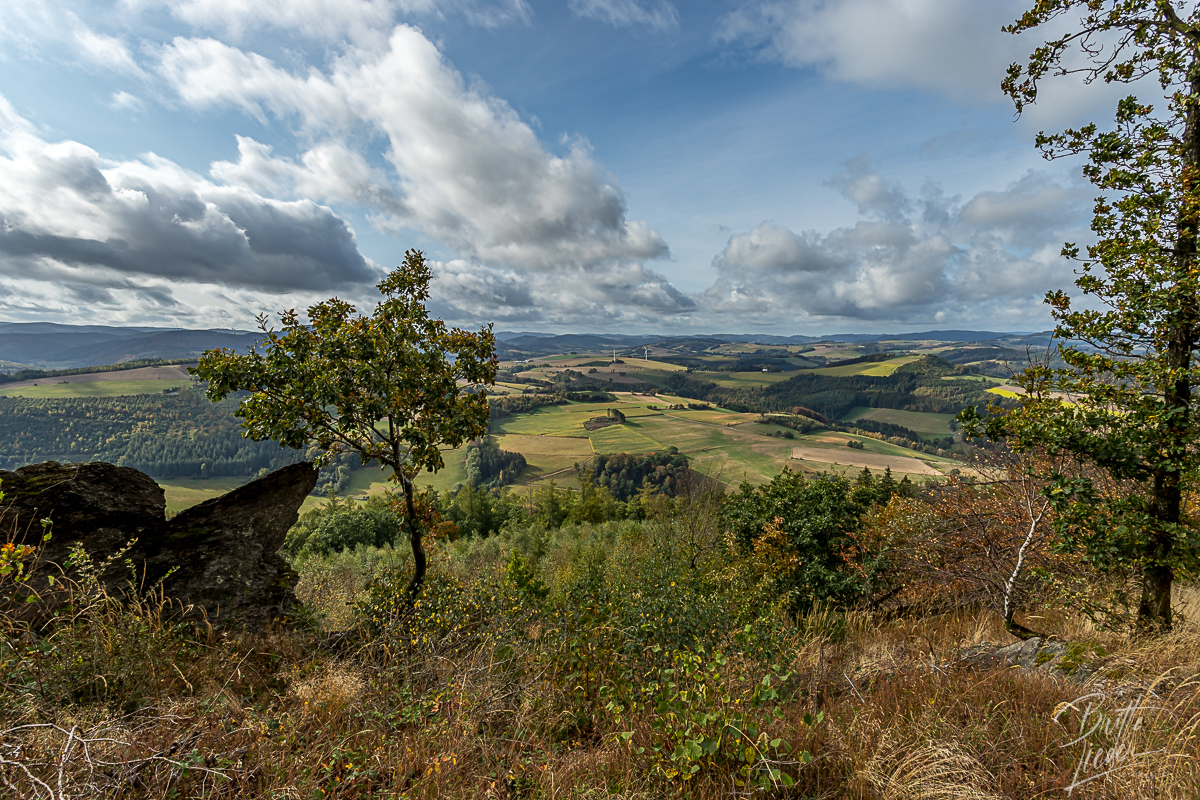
(144,380)
(930,426)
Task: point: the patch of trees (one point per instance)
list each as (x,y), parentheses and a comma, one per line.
(809,532)
(966,355)
(502,407)
(917,386)
(796,423)
(870,358)
(489,466)
(898,431)
(167,436)
(625,475)
(342,525)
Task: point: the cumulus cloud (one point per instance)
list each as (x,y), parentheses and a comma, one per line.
(946,45)
(658,14)
(64,211)
(908,259)
(464,166)
(625,293)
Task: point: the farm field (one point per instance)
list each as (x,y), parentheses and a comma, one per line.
(744,380)
(728,445)
(874,368)
(858,459)
(184,493)
(930,426)
(169,372)
(107,388)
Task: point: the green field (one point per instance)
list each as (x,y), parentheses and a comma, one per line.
(184,493)
(744,380)
(929,426)
(93,389)
(874,368)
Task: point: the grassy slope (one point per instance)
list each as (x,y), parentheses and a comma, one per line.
(873,368)
(96,389)
(928,425)
(184,493)
(745,380)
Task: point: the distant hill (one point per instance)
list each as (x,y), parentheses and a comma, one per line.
(50,345)
(54,346)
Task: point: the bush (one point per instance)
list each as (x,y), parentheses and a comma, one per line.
(342,525)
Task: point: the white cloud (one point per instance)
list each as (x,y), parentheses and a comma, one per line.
(658,14)
(466,168)
(104,51)
(124,101)
(946,45)
(365,22)
(909,260)
(623,293)
(66,213)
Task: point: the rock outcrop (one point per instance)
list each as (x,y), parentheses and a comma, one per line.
(1073,660)
(219,559)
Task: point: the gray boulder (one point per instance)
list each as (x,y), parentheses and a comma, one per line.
(220,559)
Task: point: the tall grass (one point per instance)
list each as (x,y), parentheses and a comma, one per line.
(622,660)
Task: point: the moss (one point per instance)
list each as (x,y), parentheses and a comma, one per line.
(1079,653)
(1043,657)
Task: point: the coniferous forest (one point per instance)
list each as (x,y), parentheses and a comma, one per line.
(179,435)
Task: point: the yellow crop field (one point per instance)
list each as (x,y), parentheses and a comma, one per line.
(879,369)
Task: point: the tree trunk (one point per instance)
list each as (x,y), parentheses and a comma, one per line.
(1154,609)
(414,537)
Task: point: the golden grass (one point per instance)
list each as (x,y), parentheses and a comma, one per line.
(125,703)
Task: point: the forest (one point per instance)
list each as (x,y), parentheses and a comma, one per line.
(179,435)
(917,386)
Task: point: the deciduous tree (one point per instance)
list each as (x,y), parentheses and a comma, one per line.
(393,387)
(1125,398)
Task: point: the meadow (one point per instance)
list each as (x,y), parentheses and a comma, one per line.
(732,446)
(930,426)
(143,380)
(109,388)
(745,380)
(873,368)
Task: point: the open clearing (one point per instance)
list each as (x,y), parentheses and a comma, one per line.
(106,388)
(184,493)
(848,456)
(744,380)
(929,426)
(174,372)
(880,369)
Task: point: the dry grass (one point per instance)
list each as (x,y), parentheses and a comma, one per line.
(119,701)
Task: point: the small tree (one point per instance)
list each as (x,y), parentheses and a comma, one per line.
(389,386)
(1124,401)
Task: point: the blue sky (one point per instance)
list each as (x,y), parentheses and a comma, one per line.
(791,166)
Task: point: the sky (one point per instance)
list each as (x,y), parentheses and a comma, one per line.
(620,166)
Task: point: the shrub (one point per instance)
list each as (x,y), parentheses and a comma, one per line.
(339,526)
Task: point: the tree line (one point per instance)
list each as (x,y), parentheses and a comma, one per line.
(167,436)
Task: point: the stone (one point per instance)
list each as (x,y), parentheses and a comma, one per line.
(1073,660)
(220,559)
(100,504)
